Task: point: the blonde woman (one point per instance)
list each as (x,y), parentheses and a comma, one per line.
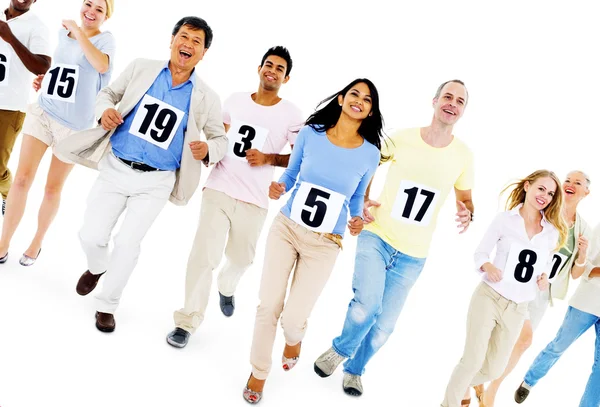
(568,262)
(525,238)
(81,66)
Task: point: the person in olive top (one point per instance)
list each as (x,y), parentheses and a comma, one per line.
(148,150)
(24,50)
(427,164)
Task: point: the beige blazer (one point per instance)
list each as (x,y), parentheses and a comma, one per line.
(89,146)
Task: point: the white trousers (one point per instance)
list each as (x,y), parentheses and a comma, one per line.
(117,188)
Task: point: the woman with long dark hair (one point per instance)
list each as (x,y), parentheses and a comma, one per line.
(332,163)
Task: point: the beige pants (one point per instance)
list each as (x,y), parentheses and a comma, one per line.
(314,255)
(10,126)
(222,219)
(493,326)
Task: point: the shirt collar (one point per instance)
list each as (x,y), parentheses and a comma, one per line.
(192,78)
(515,212)
(24,16)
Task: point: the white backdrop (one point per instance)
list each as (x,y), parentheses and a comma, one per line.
(531,70)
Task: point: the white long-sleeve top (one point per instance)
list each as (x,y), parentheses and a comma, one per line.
(521,260)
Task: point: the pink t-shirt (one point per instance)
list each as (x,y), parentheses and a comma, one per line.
(265,128)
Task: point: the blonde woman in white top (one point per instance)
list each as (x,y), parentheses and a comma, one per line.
(525,237)
(569,261)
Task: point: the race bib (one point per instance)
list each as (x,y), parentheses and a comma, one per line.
(156,122)
(415,203)
(524,264)
(5,57)
(60,82)
(317,208)
(558,262)
(243,136)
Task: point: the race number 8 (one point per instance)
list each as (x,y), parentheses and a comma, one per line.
(317,202)
(245,143)
(524,269)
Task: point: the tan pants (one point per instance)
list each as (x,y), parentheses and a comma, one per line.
(493,326)
(314,255)
(10,127)
(220,215)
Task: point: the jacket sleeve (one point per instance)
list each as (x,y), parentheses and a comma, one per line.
(215,132)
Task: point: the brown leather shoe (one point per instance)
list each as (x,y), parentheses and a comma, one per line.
(87,282)
(105,322)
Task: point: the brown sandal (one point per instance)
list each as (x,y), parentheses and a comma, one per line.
(465,402)
(479,391)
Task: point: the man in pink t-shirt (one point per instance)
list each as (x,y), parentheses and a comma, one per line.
(235,198)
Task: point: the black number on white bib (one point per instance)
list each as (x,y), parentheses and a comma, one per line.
(245,143)
(412,196)
(3,67)
(557,263)
(60,83)
(415,203)
(316,207)
(524,269)
(156,122)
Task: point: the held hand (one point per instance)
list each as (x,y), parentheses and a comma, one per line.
(255,158)
(463,216)
(276,189)
(368,218)
(582,246)
(37,82)
(5,32)
(71,26)
(199,150)
(111,118)
(494,274)
(355,225)
(542,282)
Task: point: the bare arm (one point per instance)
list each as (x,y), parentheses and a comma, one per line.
(466,198)
(95,57)
(35,63)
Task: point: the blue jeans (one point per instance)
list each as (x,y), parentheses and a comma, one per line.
(383,277)
(574,325)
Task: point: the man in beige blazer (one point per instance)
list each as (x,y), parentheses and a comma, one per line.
(148,151)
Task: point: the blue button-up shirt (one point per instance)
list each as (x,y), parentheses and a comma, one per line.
(129,147)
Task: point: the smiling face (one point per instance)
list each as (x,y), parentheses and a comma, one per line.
(540,193)
(450,104)
(272,73)
(187,47)
(575,187)
(93,14)
(21,5)
(357,102)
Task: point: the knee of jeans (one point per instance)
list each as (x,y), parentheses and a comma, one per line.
(361,312)
(380,337)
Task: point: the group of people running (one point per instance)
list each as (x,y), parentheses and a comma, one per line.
(159,123)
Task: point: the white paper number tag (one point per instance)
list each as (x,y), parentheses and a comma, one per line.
(5,57)
(60,82)
(243,136)
(317,208)
(415,203)
(524,264)
(558,262)
(156,122)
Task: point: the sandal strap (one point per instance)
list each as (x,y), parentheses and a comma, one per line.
(465,402)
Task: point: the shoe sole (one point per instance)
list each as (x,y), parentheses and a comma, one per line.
(105,329)
(351,391)
(176,344)
(320,372)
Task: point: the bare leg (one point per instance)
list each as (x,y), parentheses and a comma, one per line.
(32,151)
(57,175)
(523,343)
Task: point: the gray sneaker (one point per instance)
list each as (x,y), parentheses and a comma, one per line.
(326,364)
(352,385)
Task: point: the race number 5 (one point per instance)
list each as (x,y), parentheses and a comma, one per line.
(317,208)
(156,122)
(524,263)
(415,203)
(243,136)
(60,82)
(558,262)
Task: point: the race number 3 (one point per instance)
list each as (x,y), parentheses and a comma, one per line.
(156,122)
(317,208)
(415,203)
(243,136)
(60,82)
(525,263)
(558,261)
(5,56)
